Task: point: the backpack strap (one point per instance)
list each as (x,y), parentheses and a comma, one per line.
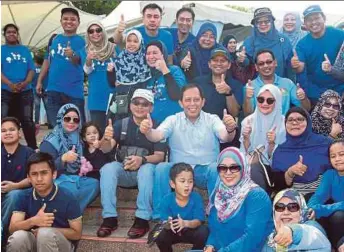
(124,129)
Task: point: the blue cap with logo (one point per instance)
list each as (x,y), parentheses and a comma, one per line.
(311,10)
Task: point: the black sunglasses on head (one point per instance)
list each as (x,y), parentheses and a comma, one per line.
(292,207)
(97,30)
(68,119)
(233,168)
(269,101)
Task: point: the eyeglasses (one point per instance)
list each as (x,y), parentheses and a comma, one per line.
(269,101)
(292,207)
(266,22)
(232,168)
(68,119)
(297,120)
(262,63)
(97,30)
(331,105)
(211,37)
(144,104)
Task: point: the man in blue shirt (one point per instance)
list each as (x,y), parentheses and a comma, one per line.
(266,63)
(66,76)
(310,53)
(46,217)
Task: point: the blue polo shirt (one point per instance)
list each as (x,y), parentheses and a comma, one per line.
(193,210)
(13,166)
(59,201)
(287,87)
(163,36)
(311,51)
(64,76)
(215,102)
(16,62)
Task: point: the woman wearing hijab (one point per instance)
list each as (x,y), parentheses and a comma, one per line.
(95,57)
(166,81)
(326,115)
(236,222)
(293,230)
(197,55)
(65,145)
(264,35)
(303,157)
(262,131)
(292,28)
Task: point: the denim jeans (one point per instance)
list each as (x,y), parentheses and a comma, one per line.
(99,117)
(203,175)
(20,105)
(55,100)
(37,105)
(85,189)
(113,175)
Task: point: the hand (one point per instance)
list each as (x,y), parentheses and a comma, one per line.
(208,249)
(223,87)
(20,86)
(336,128)
(228,121)
(68,50)
(71,156)
(284,236)
(177,225)
(186,62)
(295,62)
(39,88)
(146,125)
(249,90)
(241,55)
(247,129)
(161,66)
(13,87)
(121,25)
(7,186)
(42,219)
(133,163)
(91,54)
(299,168)
(326,64)
(96,144)
(311,214)
(271,135)
(300,93)
(108,133)
(110,67)
(341,248)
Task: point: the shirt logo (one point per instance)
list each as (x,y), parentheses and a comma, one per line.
(19,167)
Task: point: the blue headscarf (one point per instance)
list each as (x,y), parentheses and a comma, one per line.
(63,141)
(225,44)
(297,34)
(313,148)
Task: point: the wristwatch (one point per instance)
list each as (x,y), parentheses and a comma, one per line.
(229,94)
(144,159)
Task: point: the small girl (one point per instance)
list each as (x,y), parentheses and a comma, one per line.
(90,134)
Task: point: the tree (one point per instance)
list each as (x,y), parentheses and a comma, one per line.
(97,7)
(241,8)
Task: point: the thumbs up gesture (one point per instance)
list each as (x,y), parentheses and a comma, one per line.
(186,62)
(241,55)
(247,129)
(161,66)
(91,54)
(146,125)
(222,87)
(336,129)
(229,121)
(299,168)
(68,50)
(43,219)
(121,25)
(326,64)
(108,133)
(249,90)
(295,62)
(300,93)
(70,156)
(271,135)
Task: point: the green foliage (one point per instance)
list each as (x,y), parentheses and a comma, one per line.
(97,7)
(241,8)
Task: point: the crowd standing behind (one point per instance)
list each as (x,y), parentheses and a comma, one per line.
(163,104)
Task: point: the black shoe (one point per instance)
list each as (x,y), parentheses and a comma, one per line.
(109,224)
(139,228)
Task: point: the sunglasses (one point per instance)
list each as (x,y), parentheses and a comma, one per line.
(329,105)
(269,101)
(144,104)
(292,207)
(262,63)
(263,22)
(232,168)
(97,30)
(68,119)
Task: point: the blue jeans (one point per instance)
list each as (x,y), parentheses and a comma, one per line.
(85,189)
(99,117)
(8,203)
(203,175)
(113,174)
(55,100)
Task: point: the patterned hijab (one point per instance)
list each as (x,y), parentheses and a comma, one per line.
(103,49)
(228,200)
(322,125)
(131,67)
(63,141)
(297,34)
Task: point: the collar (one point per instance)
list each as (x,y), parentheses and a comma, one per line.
(51,196)
(261,82)
(201,115)
(6,154)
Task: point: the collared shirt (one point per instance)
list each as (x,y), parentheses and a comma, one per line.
(287,87)
(13,166)
(193,143)
(59,201)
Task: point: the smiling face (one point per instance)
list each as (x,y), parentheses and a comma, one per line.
(140,108)
(183,184)
(266,65)
(231,46)
(132,44)
(153,54)
(264,24)
(97,33)
(219,65)
(69,22)
(286,217)
(91,135)
(227,177)
(296,124)
(69,121)
(10,134)
(289,23)
(11,35)
(315,23)
(207,40)
(152,19)
(337,157)
(192,103)
(265,108)
(330,108)
(184,22)
(41,177)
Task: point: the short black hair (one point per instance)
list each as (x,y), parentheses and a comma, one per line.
(261,51)
(185,9)
(11,119)
(151,6)
(8,26)
(179,168)
(71,10)
(189,86)
(336,141)
(89,124)
(39,59)
(40,157)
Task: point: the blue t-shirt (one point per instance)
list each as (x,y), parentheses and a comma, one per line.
(311,51)
(16,62)
(163,105)
(35,79)
(193,210)
(59,201)
(163,36)
(64,76)
(99,88)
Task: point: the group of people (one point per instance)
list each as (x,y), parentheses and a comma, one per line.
(259,127)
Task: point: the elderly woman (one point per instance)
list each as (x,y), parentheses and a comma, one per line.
(64,144)
(326,117)
(293,230)
(236,221)
(292,28)
(303,156)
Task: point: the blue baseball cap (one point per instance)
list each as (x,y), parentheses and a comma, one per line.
(311,10)
(219,51)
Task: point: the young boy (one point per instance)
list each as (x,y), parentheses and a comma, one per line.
(46,218)
(184,211)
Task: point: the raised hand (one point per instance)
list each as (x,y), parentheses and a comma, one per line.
(336,128)
(295,62)
(186,62)
(43,219)
(300,93)
(161,66)
(146,125)
(299,168)
(91,54)
(241,55)
(247,129)
(68,50)
(271,135)
(70,156)
(121,25)
(249,90)
(229,121)
(284,236)
(222,87)
(326,64)
(109,132)
(110,67)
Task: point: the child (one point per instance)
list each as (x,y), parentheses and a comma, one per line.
(184,211)
(93,153)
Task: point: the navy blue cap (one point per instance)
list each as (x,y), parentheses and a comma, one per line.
(311,10)
(219,51)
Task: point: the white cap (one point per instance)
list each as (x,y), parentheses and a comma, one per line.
(144,93)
